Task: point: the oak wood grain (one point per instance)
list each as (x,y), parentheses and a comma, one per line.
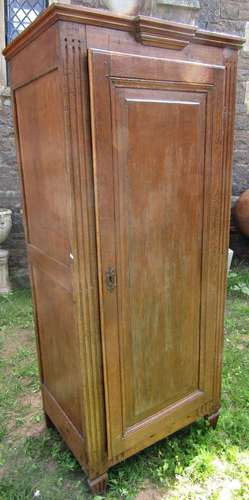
(151,232)
(124,130)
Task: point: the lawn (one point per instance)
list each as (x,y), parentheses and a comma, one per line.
(196,463)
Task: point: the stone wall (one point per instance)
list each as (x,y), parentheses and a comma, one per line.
(10,192)
(218,15)
(232,16)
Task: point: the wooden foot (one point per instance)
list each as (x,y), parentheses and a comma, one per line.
(98,485)
(48,422)
(213,419)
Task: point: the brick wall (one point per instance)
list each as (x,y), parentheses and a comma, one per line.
(218,15)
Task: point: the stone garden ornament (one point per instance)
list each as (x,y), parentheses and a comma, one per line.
(5,227)
(123,7)
(185,11)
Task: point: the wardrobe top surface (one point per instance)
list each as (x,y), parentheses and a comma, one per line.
(139,25)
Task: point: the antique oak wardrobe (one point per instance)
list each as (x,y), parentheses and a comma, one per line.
(124,129)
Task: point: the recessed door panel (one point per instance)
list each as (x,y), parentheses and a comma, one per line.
(160,240)
(153,172)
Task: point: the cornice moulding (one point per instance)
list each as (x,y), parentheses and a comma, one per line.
(147,30)
(160,33)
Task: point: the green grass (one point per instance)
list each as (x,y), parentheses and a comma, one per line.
(16,310)
(196,463)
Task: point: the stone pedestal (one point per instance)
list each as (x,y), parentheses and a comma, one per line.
(229,259)
(4,272)
(5,227)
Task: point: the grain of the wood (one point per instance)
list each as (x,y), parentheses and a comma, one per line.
(135,180)
(150,227)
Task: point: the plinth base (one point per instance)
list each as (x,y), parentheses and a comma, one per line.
(4,272)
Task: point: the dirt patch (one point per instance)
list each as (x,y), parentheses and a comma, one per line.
(32,400)
(244,338)
(150,494)
(30,429)
(31,404)
(50,466)
(3,472)
(242,347)
(13,339)
(24,418)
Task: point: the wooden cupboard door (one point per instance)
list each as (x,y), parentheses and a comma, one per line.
(157,149)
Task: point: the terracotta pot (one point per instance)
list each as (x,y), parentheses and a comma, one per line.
(242,213)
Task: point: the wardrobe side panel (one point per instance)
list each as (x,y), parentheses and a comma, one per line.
(40,129)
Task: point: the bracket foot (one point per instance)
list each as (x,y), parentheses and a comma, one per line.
(99,484)
(48,422)
(213,419)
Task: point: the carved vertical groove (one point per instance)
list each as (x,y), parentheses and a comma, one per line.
(229,110)
(210,246)
(84,248)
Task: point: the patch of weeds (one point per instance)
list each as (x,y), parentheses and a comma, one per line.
(238,281)
(24,367)
(40,447)
(32,471)
(18,377)
(64,458)
(16,309)
(202,466)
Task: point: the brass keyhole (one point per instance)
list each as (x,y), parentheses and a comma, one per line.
(110,279)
